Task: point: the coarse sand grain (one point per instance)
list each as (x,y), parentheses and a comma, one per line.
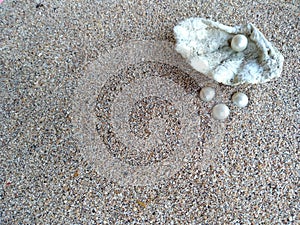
(102,123)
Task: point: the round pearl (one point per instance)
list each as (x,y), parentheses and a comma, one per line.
(240,99)
(239,43)
(220,111)
(207,94)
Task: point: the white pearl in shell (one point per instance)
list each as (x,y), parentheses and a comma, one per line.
(239,43)
(240,99)
(207,94)
(220,111)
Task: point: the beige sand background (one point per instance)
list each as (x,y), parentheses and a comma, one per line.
(47,48)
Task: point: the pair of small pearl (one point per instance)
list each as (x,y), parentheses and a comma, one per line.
(221,111)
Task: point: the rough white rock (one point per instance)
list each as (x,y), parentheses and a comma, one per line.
(207,47)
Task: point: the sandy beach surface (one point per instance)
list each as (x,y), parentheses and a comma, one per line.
(101,120)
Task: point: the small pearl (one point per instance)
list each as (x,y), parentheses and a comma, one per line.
(239,43)
(207,94)
(220,111)
(240,99)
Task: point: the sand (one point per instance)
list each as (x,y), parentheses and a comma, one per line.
(102,123)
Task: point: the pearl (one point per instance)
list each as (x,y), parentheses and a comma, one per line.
(240,99)
(207,94)
(239,43)
(220,111)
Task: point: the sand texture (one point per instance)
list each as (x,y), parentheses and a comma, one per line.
(102,122)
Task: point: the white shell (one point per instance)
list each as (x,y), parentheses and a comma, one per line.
(207,47)
(240,99)
(220,111)
(207,94)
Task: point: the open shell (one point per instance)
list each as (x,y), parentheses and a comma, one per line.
(206,46)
